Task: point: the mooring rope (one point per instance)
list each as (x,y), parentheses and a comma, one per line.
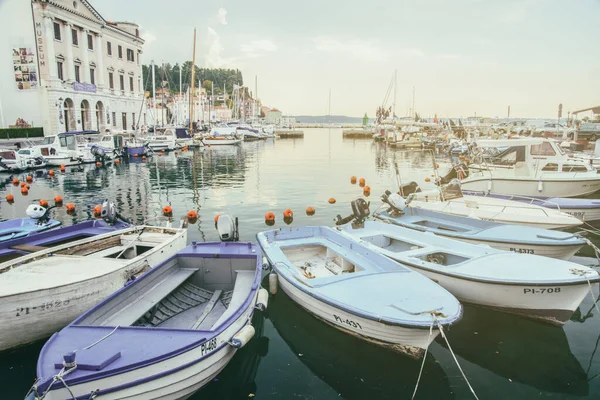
(453,356)
(423,363)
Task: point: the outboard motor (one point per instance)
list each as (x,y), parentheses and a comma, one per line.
(396,202)
(459,171)
(98,153)
(38,213)
(109,213)
(227,228)
(360,212)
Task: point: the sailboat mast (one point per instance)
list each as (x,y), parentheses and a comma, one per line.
(192,84)
(395,91)
(153,96)
(413,107)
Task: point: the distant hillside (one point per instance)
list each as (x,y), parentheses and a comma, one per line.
(326,119)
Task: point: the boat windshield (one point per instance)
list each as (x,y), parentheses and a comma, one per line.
(452,190)
(48,140)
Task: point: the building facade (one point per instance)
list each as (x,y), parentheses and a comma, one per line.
(71,68)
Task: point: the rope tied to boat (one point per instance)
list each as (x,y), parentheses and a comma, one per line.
(435,315)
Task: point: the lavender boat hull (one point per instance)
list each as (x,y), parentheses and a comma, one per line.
(146,355)
(20,227)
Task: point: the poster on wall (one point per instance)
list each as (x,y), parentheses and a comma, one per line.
(25,68)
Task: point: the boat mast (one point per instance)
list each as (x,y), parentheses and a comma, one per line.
(395,91)
(413,106)
(192,84)
(162,88)
(153,97)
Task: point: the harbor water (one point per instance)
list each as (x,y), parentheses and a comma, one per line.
(293,355)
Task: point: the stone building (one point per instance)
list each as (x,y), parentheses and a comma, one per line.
(65,68)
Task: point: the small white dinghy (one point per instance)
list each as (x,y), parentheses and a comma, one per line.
(356,290)
(43,291)
(163,336)
(536,287)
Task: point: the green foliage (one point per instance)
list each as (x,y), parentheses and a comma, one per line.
(17,133)
(170,73)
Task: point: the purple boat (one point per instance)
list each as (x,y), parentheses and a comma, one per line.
(587,210)
(17,247)
(20,227)
(164,335)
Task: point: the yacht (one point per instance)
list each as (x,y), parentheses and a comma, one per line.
(65,148)
(534,167)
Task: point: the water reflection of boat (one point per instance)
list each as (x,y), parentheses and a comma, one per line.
(522,350)
(352,367)
(237,380)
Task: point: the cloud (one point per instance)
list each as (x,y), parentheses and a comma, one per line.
(253,48)
(357,48)
(222,16)
(215,49)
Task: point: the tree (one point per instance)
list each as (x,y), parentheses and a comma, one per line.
(262,113)
(207,85)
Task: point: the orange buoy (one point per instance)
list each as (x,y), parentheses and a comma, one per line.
(353,180)
(24,190)
(163,150)
(460,157)
(361,182)
(44,203)
(70,207)
(15,181)
(427,179)
(51,172)
(137,155)
(58,200)
(98,164)
(331,200)
(97,210)
(29,178)
(10,198)
(437,166)
(216,218)
(62,168)
(367,189)
(192,214)
(270,216)
(117,161)
(310,210)
(23,184)
(167,211)
(288,213)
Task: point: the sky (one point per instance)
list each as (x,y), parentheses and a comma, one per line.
(463,57)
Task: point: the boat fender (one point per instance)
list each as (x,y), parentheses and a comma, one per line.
(540,186)
(262,300)
(489,185)
(241,338)
(273,283)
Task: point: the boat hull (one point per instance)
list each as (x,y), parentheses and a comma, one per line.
(223,142)
(31,316)
(528,187)
(410,341)
(176,378)
(553,304)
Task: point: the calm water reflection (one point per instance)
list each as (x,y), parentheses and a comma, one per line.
(296,355)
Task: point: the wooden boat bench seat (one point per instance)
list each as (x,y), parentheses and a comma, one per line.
(243,284)
(150,298)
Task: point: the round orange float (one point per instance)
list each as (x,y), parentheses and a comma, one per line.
(97,210)
(15,181)
(167,211)
(288,213)
(70,207)
(427,179)
(10,198)
(24,190)
(310,210)
(332,201)
(51,172)
(58,200)
(270,216)
(362,182)
(44,203)
(353,180)
(29,178)
(192,214)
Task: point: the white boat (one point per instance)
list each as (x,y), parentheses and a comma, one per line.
(21,160)
(162,139)
(184,139)
(45,289)
(533,167)
(519,239)
(222,136)
(448,198)
(165,335)
(64,148)
(358,291)
(541,288)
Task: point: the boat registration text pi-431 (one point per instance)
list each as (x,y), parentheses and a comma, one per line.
(347,321)
(541,290)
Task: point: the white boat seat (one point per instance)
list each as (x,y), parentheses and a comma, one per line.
(243,285)
(149,298)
